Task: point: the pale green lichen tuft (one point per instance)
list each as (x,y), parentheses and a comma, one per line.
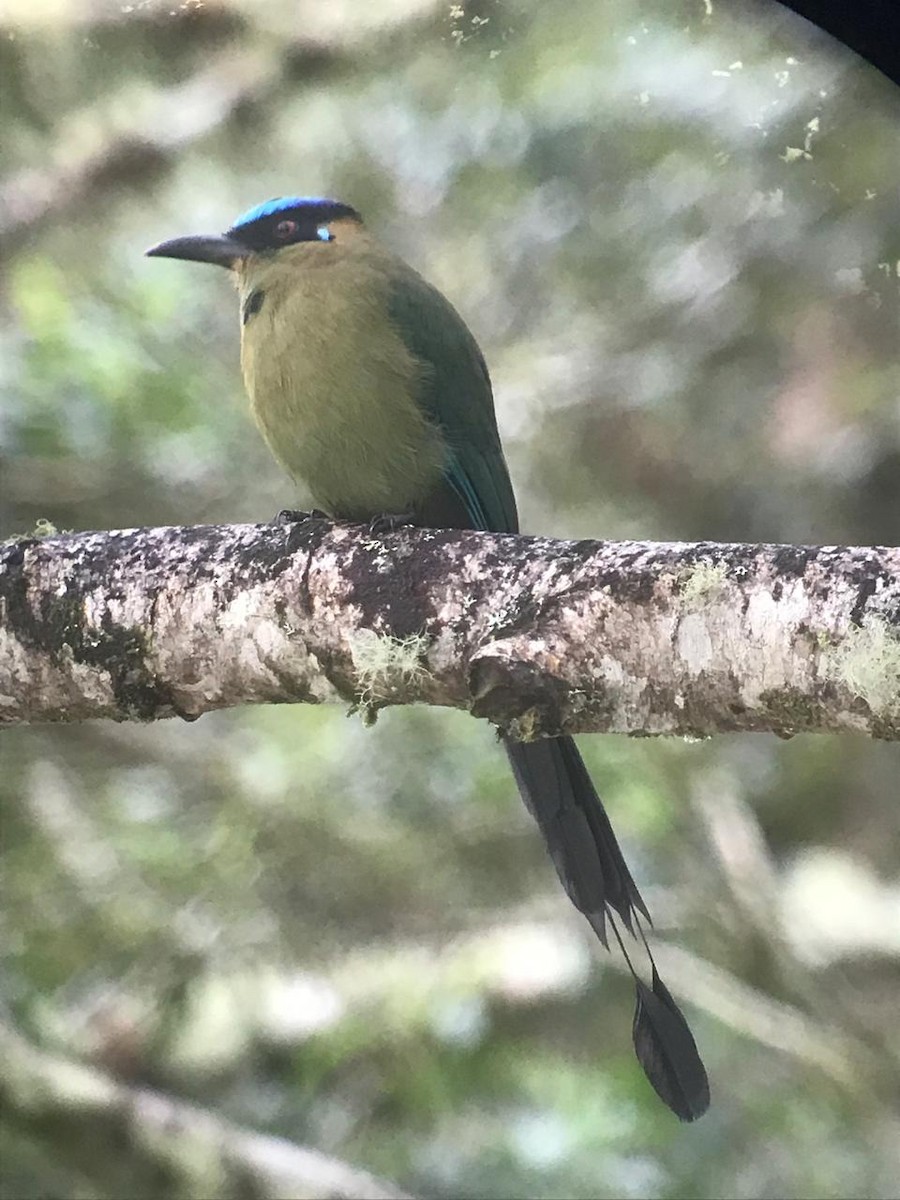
(702,583)
(42,528)
(867,661)
(383,662)
(526,726)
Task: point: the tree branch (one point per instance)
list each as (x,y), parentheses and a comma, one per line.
(534,634)
(73,1103)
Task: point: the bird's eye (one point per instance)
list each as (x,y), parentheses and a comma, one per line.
(324,234)
(285,229)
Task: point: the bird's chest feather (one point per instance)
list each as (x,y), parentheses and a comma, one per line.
(334,390)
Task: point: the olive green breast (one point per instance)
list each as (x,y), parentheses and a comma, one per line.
(331,383)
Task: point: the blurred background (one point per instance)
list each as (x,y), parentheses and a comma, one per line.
(673,227)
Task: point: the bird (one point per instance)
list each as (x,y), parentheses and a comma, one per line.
(371,391)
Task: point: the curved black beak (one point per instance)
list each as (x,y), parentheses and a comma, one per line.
(222,251)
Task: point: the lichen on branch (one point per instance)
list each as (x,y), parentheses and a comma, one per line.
(536,635)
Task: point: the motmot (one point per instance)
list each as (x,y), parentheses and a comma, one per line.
(371,391)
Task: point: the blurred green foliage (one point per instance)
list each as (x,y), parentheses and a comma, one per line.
(673,228)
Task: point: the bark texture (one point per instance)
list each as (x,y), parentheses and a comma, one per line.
(537,635)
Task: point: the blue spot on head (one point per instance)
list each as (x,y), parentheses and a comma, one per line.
(281,222)
(282,203)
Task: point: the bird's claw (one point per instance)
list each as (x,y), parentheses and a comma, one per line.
(389,522)
(293,516)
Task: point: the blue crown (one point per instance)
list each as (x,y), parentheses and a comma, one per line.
(315,208)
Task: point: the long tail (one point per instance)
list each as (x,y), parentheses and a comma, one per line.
(558,792)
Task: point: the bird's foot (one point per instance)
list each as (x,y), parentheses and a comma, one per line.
(293,516)
(389,522)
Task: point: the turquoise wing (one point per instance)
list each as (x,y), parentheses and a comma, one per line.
(455,392)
